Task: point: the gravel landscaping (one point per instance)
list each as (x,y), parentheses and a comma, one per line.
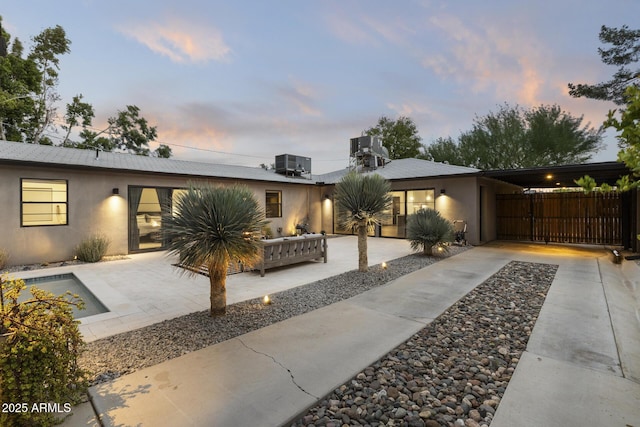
(121,354)
(453,372)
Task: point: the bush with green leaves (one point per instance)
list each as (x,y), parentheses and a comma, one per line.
(39,348)
(93,248)
(426,229)
(4,258)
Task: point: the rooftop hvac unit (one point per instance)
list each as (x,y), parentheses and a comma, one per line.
(292,165)
(368,144)
(368,153)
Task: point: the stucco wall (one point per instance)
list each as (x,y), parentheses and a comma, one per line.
(458,202)
(94,209)
(491,187)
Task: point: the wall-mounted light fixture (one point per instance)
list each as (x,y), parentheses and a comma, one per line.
(443,191)
(115,191)
(326,197)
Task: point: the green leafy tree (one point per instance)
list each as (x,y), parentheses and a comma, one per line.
(39,348)
(19,81)
(214,226)
(47,47)
(78,114)
(624,51)
(363,200)
(427,229)
(28,100)
(627,122)
(400,136)
(132,132)
(515,138)
(444,150)
(628,126)
(163,151)
(127,131)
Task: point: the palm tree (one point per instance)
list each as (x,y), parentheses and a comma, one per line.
(213,226)
(426,229)
(363,199)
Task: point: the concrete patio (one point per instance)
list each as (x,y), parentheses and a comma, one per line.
(146,289)
(581,367)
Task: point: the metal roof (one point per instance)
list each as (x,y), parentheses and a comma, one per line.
(406,169)
(46,155)
(400,169)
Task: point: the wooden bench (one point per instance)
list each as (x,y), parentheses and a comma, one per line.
(292,250)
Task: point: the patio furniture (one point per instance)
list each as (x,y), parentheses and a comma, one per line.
(292,250)
(460,231)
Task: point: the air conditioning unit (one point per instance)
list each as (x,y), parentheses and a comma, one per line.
(367,152)
(292,165)
(368,144)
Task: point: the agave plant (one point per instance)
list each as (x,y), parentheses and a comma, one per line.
(214,226)
(426,229)
(363,199)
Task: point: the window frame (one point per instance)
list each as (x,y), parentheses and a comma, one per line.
(267,204)
(23,203)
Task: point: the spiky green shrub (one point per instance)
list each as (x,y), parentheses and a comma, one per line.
(426,229)
(4,258)
(39,348)
(93,248)
(363,200)
(214,226)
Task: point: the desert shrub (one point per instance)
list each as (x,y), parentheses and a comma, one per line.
(39,348)
(92,249)
(4,258)
(426,229)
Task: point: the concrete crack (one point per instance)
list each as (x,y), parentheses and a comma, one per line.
(293,380)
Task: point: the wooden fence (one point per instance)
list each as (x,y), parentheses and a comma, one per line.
(571,217)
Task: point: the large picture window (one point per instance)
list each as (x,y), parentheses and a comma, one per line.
(420,199)
(273,204)
(44,202)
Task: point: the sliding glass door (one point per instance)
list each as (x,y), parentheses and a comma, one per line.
(148,206)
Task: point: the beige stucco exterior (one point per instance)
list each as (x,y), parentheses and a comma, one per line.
(94,209)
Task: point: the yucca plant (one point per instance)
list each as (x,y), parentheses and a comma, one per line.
(426,229)
(363,199)
(214,226)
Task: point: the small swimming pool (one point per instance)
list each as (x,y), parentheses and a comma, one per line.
(59,284)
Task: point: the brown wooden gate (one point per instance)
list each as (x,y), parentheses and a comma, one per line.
(571,217)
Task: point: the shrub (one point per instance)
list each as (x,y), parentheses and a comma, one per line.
(267,232)
(426,229)
(4,258)
(39,348)
(92,249)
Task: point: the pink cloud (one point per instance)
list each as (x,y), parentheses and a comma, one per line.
(179,40)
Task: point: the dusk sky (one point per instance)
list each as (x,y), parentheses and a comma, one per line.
(243,81)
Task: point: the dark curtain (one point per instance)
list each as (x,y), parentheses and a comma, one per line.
(135,193)
(164,197)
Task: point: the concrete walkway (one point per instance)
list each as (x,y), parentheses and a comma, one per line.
(581,366)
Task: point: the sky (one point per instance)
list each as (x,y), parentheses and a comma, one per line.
(243,81)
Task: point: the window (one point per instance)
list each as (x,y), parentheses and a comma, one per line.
(420,199)
(44,202)
(273,204)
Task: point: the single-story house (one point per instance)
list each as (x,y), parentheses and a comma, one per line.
(52,198)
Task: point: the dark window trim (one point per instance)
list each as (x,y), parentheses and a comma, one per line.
(279,204)
(22,203)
